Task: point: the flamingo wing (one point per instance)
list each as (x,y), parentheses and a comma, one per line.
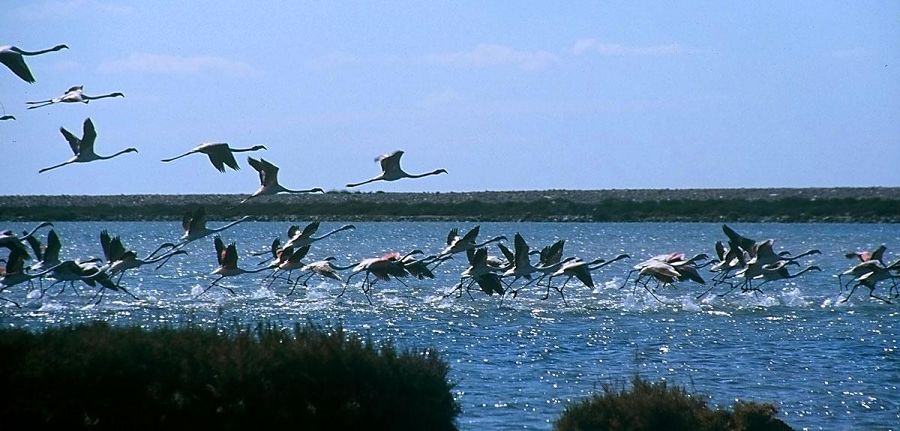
(390,162)
(220,249)
(74,142)
(51,252)
(452,236)
(87,139)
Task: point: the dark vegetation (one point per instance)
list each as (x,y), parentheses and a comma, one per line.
(651,406)
(103,377)
(711,205)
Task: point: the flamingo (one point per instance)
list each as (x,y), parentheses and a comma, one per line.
(84,147)
(581,270)
(119,259)
(779,271)
(72,95)
(227,258)
(871,278)
(268,180)
(325,268)
(75,270)
(458,244)
(220,154)
(382,268)
(305,237)
(13,58)
(7,117)
(391,170)
(194,224)
(479,271)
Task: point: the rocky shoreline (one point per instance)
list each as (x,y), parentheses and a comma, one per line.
(875,204)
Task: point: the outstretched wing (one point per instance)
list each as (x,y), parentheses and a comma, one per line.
(451,237)
(390,162)
(87,139)
(198,220)
(15,62)
(51,252)
(310,229)
(35,246)
(74,142)
(220,249)
(268,173)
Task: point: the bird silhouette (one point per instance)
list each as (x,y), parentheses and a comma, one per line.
(268,180)
(220,154)
(391,170)
(13,58)
(84,147)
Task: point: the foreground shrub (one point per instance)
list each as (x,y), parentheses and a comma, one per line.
(656,406)
(103,377)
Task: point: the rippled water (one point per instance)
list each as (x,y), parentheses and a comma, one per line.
(827,365)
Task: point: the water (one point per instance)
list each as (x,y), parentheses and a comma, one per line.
(826,364)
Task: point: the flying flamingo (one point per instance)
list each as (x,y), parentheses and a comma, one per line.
(220,154)
(194,224)
(120,260)
(268,180)
(14,273)
(391,170)
(581,270)
(382,268)
(459,244)
(305,237)
(84,147)
(73,95)
(12,57)
(227,258)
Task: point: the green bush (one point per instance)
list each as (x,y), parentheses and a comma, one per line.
(657,406)
(103,377)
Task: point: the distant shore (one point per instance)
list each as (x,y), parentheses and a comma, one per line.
(844,204)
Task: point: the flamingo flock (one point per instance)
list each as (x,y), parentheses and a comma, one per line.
(220,154)
(736,267)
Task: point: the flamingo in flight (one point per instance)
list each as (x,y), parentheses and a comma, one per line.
(268,180)
(220,154)
(13,58)
(459,244)
(84,147)
(72,95)
(391,170)
(303,238)
(194,224)
(227,258)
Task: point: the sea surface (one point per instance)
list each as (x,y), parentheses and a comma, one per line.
(516,364)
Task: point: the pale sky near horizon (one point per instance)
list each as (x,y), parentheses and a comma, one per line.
(504,95)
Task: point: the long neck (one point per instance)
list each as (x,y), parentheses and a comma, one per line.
(499,238)
(802,272)
(804,254)
(86,97)
(425,174)
(244,218)
(44,51)
(127,150)
(342,228)
(242,150)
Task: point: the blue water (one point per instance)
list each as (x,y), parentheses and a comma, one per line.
(826,364)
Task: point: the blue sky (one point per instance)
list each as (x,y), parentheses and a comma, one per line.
(505,96)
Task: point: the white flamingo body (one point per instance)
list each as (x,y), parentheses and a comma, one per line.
(13,58)
(219,153)
(391,170)
(84,147)
(72,95)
